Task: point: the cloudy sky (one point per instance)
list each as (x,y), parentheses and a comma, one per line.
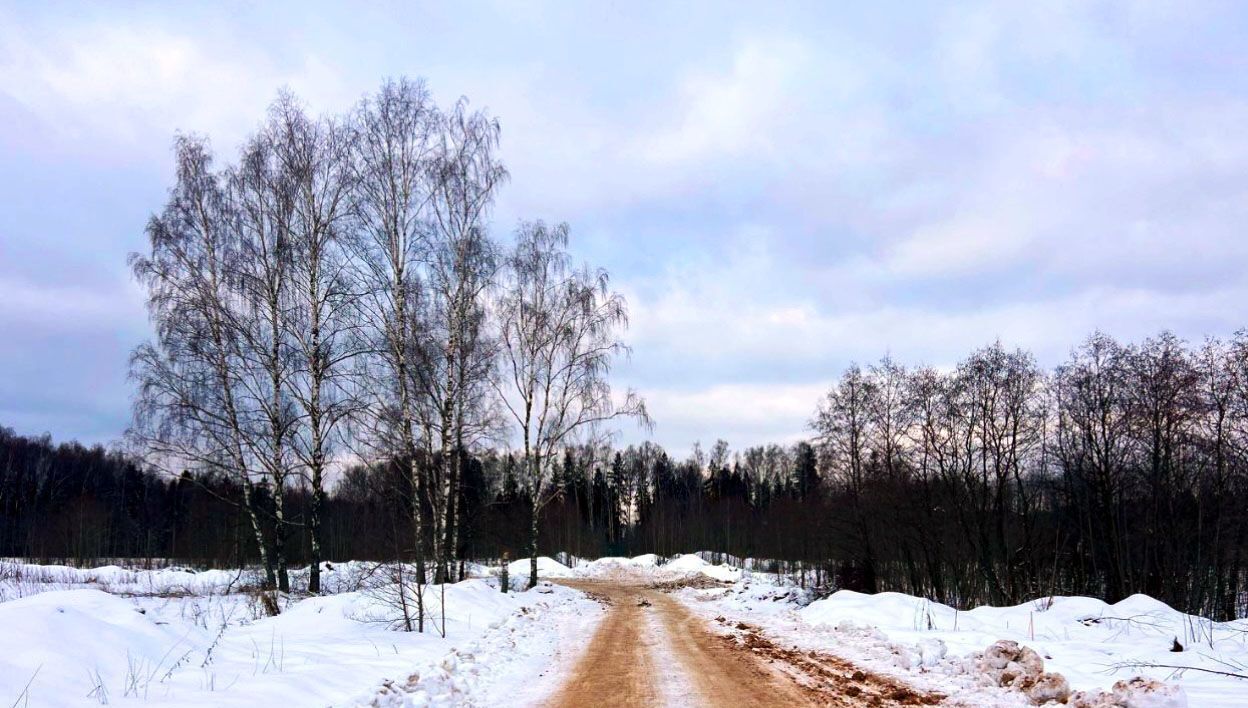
(778,190)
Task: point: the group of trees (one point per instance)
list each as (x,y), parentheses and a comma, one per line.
(1124,470)
(70,501)
(335,296)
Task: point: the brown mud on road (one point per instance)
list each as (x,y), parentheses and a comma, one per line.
(651,650)
(616,668)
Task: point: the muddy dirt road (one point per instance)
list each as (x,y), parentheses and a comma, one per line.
(651,650)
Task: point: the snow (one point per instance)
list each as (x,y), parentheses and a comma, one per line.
(650,567)
(1097,648)
(73,639)
(646,560)
(521,660)
(692,563)
(20,579)
(1085,639)
(178,637)
(617,568)
(546,568)
(82,646)
(23,579)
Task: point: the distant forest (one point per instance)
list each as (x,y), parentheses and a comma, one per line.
(1123,470)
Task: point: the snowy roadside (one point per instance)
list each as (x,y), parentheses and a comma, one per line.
(520,660)
(175,637)
(774,611)
(1097,648)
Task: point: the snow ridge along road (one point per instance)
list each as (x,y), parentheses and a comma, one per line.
(651,650)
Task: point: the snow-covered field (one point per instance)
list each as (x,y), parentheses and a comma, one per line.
(177,637)
(174,637)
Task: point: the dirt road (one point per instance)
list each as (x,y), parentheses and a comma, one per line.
(651,650)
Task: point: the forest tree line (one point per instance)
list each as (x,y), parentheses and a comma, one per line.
(1122,470)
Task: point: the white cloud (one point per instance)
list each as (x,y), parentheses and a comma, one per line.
(684,332)
(737,112)
(22,301)
(135,84)
(1024,172)
(743,414)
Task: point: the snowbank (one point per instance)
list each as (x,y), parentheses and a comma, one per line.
(692,563)
(25,579)
(19,579)
(84,646)
(513,663)
(546,568)
(1090,642)
(647,560)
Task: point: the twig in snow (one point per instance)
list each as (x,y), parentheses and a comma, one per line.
(1176,668)
(24,696)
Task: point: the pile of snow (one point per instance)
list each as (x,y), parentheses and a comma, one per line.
(619,569)
(647,560)
(886,610)
(87,644)
(1139,692)
(757,597)
(546,568)
(1008,664)
(692,563)
(1087,641)
(652,568)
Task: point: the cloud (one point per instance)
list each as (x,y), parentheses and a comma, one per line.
(743,414)
(26,303)
(734,113)
(106,85)
(777,190)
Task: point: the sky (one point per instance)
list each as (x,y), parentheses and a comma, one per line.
(779,189)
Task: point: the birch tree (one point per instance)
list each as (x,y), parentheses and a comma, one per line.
(323,331)
(559,337)
(262,192)
(190,378)
(460,261)
(393,146)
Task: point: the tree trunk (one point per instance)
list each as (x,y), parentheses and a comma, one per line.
(314,525)
(258,530)
(533,546)
(419,534)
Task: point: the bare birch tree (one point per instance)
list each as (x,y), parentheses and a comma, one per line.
(190,379)
(394,145)
(262,193)
(461,261)
(559,337)
(323,332)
